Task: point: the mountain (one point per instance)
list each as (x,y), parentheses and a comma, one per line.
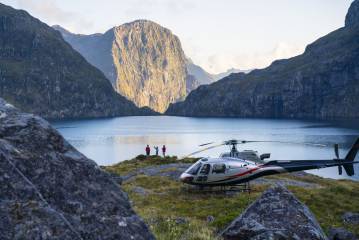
(199,73)
(41,73)
(221,75)
(321,83)
(143,60)
(49,190)
(95,48)
(204,78)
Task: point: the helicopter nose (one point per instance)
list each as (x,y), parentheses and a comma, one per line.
(186,178)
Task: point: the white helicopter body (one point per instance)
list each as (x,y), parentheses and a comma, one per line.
(240,167)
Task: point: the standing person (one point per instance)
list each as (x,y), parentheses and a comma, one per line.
(148,151)
(156,149)
(164,151)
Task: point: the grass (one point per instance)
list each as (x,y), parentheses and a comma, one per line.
(173,212)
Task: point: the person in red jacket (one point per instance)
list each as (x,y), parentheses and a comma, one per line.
(164,151)
(148,150)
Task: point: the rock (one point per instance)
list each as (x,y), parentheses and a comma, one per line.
(144,61)
(140,191)
(352,18)
(341,234)
(181,220)
(277,214)
(48,190)
(351,218)
(321,83)
(210,219)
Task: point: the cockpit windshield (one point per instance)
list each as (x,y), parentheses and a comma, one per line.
(194,170)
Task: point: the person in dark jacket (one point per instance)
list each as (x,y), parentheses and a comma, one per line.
(164,151)
(148,150)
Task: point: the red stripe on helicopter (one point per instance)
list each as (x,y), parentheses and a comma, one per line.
(245,173)
(240,174)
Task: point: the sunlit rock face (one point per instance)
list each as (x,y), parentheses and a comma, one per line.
(150,63)
(143,60)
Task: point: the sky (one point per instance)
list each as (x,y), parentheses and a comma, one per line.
(215,34)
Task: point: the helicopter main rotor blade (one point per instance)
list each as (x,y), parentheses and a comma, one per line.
(204,144)
(303,143)
(204,149)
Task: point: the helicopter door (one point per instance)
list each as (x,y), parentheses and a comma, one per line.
(219,171)
(203,174)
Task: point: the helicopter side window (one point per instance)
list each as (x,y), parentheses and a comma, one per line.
(194,170)
(219,168)
(205,169)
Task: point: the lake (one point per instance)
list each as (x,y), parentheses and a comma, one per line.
(112,140)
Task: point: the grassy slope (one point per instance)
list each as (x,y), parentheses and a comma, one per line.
(166,201)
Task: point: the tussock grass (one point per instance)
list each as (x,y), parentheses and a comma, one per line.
(174,212)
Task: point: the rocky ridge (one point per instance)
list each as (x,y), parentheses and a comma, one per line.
(48,190)
(41,73)
(321,83)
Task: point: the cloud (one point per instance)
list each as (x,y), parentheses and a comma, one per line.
(149,7)
(221,62)
(49,12)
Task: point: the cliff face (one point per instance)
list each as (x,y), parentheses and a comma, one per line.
(48,190)
(322,83)
(144,62)
(150,64)
(42,74)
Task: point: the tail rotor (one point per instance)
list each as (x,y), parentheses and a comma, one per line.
(336,151)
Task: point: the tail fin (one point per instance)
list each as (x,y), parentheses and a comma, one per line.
(349,169)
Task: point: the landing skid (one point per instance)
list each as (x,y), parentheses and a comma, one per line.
(244,187)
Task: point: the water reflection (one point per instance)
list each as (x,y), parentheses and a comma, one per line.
(109,141)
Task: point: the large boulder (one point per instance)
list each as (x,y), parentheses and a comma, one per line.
(48,190)
(277,214)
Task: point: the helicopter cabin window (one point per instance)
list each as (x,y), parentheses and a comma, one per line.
(194,170)
(205,169)
(219,168)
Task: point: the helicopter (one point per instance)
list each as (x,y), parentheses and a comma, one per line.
(235,167)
